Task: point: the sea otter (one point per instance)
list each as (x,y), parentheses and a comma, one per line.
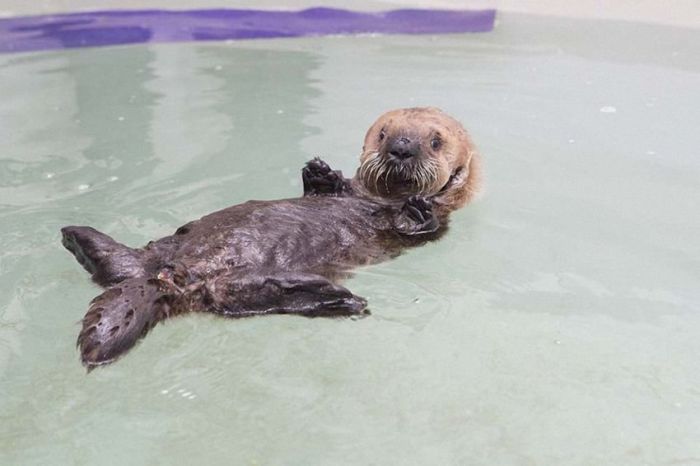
(285,256)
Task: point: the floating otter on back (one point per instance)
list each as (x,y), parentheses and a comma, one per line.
(286,256)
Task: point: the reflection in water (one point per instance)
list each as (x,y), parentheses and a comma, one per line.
(114,108)
(240,114)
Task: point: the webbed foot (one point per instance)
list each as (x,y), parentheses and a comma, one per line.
(108,261)
(416,217)
(121,316)
(320,180)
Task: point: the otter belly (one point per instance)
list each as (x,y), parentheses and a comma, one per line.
(310,233)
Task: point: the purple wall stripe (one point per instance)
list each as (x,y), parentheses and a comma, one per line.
(95,29)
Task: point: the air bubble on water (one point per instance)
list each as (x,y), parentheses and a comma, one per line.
(608,109)
(49,175)
(571,141)
(83,187)
(113,178)
(218,67)
(280,112)
(121,118)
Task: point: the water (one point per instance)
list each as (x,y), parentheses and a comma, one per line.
(557,322)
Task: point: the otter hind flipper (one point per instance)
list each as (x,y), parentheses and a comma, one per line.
(122,315)
(108,261)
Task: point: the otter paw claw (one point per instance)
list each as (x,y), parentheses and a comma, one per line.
(416,217)
(319,179)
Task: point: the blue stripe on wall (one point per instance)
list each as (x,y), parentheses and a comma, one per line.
(102,28)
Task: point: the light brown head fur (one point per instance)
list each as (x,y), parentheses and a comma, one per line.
(419,151)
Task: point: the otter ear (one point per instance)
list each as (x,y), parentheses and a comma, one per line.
(466,147)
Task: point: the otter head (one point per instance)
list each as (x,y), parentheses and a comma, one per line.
(419,151)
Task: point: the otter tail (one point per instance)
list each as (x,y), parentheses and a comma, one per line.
(122,315)
(109,262)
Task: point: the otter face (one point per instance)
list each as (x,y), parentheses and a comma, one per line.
(416,151)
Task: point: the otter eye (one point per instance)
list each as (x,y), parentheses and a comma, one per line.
(435,143)
(382,135)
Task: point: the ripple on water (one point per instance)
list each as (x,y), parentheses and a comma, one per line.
(399,297)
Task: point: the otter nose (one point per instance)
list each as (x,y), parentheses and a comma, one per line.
(403,148)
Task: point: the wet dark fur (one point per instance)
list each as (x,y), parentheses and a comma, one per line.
(260,257)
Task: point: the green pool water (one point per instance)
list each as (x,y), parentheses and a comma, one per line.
(557,323)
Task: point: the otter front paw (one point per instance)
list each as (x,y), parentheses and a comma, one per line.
(320,180)
(416,217)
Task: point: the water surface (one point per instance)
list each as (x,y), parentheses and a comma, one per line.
(556,323)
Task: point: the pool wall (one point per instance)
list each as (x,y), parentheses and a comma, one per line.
(117,27)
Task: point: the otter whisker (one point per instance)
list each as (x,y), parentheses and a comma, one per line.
(417,176)
(376,172)
(374,175)
(386,178)
(423,175)
(369,169)
(433,175)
